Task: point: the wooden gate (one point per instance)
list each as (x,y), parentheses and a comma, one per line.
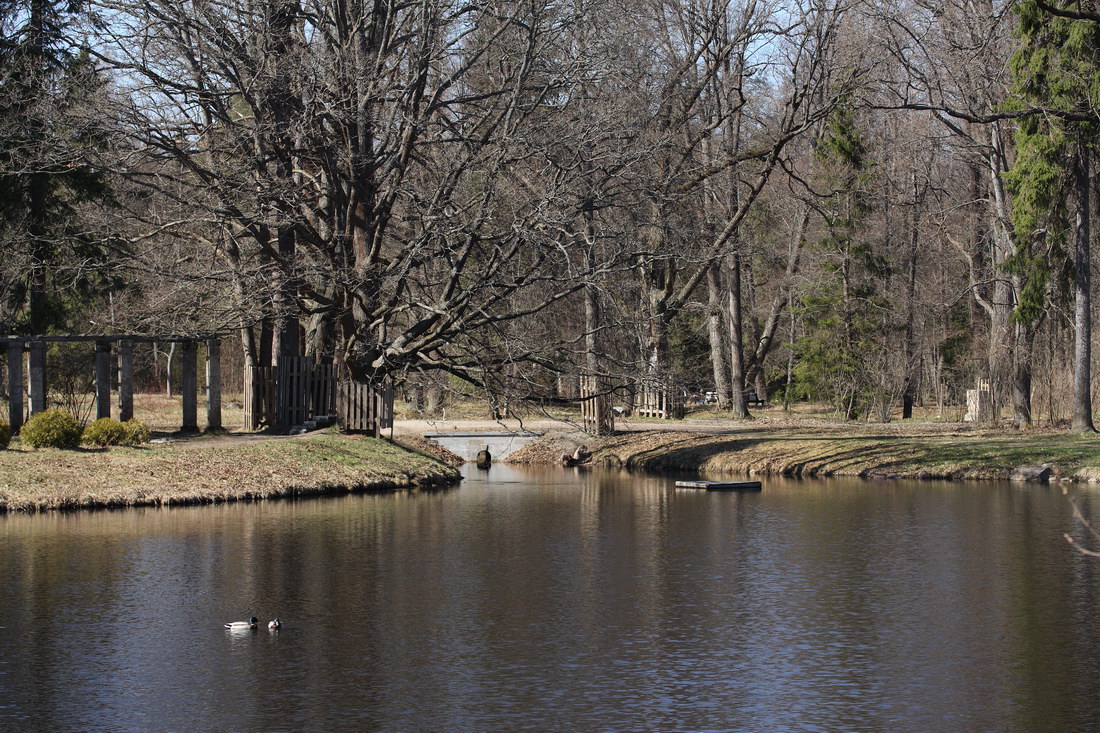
(660,399)
(362,409)
(292,384)
(322,391)
(296,391)
(259,397)
(596,415)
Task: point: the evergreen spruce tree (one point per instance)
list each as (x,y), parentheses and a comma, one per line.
(843,314)
(1056,71)
(45,174)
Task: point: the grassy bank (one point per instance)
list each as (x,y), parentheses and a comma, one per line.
(900,451)
(208,470)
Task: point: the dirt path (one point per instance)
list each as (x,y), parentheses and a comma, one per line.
(760,424)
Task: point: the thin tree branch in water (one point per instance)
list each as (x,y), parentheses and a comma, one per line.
(1088,525)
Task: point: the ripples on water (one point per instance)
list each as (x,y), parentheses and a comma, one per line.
(558,600)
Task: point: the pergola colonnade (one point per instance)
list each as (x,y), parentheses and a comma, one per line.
(108,348)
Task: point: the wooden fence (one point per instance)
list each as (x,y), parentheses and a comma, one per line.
(362,409)
(596,415)
(292,387)
(259,397)
(659,399)
(322,391)
(295,391)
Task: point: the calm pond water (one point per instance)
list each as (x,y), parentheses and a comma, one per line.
(559,600)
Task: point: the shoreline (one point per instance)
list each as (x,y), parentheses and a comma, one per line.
(213,471)
(255,467)
(812,450)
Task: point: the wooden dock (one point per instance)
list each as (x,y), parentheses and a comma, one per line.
(720,485)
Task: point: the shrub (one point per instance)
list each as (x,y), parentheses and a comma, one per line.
(103,432)
(5,434)
(108,431)
(51,429)
(137,432)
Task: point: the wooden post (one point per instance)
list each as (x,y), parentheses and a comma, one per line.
(213,384)
(189,386)
(102,379)
(37,376)
(15,385)
(125,380)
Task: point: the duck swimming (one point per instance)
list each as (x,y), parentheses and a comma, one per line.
(275,625)
(242,625)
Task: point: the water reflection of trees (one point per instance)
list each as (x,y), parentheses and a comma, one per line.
(851,603)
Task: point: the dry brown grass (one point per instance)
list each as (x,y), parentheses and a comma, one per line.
(164,414)
(430,448)
(209,470)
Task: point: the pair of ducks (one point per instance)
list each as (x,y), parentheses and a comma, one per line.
(251,624)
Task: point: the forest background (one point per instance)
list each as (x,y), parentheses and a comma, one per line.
(868,205)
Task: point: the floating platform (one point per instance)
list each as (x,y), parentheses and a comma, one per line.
(720,485)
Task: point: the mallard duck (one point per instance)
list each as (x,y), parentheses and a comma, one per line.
(242,625)
(276,624)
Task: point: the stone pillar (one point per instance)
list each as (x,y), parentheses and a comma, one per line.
(15,385)
(125,380)
(102,379)
(37,376)
(189,386)
(213,384)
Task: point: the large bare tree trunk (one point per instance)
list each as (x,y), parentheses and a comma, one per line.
(719,365)
(755,368)
(737,372)
(1003,300)
(591,301)
(659,276)
(320,334)
(1082,327)
(591,329)
(287,341)
(911,374)
(266,342)
(1021,385)
(38,189)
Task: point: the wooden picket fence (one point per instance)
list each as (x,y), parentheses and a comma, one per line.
(360,408)
(659,399)
(597,417)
